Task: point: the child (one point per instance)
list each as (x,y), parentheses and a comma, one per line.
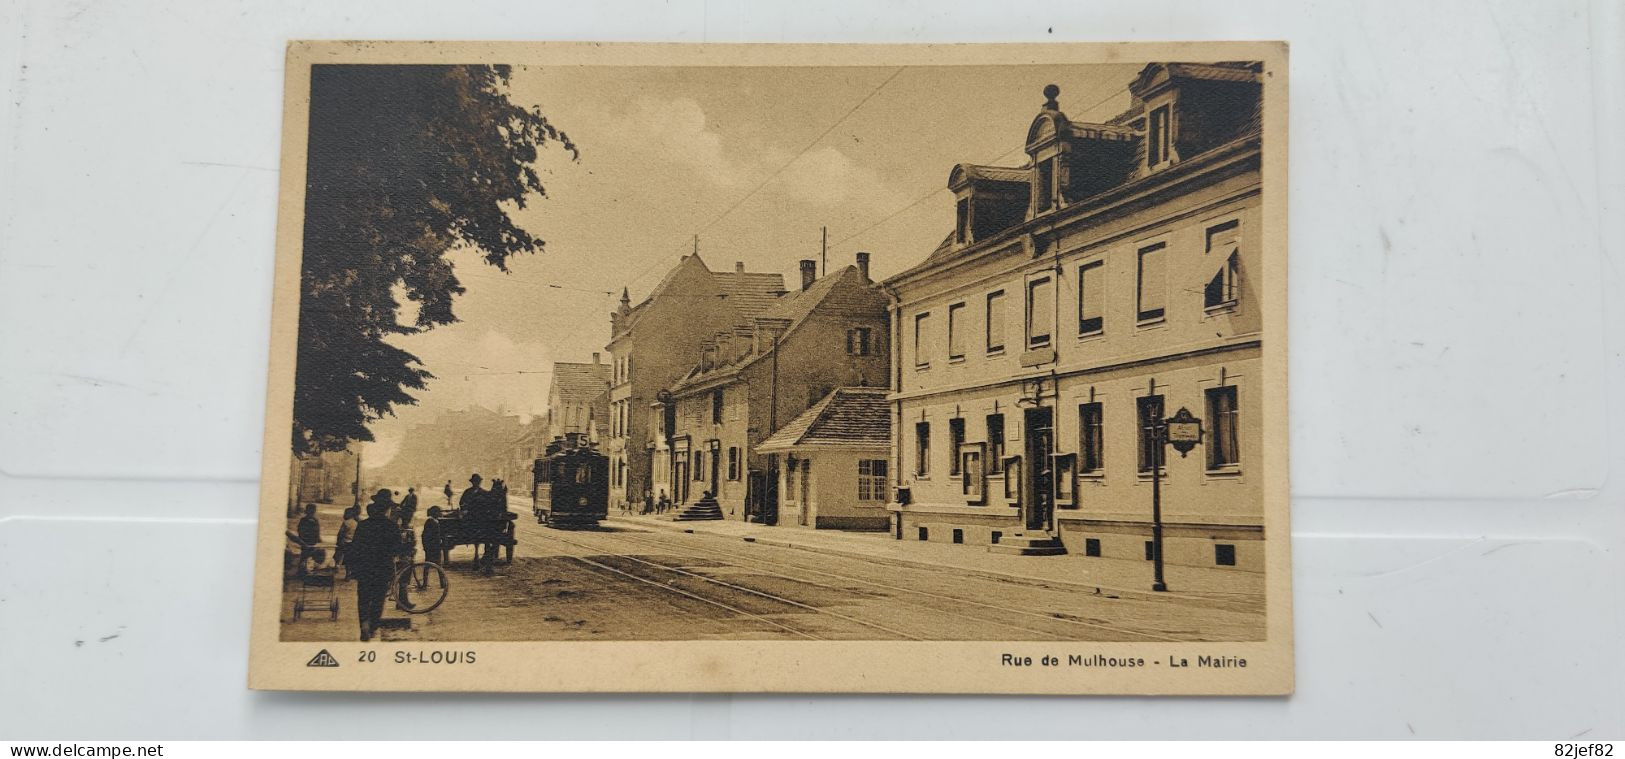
(352,517)
(431,537)
(315,561)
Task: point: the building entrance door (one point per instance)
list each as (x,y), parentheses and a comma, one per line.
(806,492)
(769,513)
(713,460)
(679,473)
(753,496)
(1039,500)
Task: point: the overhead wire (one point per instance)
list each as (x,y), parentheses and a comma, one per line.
(759,186)
(935,191)
(787,164)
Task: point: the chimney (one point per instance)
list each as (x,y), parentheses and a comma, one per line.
(595,358)
(863,263)
(739,267)
(809,272)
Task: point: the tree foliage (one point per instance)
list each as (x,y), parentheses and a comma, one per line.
(405,163)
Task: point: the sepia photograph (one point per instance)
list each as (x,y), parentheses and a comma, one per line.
(824,361)
(720,372)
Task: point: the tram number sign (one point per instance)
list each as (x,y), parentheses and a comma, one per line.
(1184,431)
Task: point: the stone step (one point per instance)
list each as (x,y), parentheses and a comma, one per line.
(1028,545)
(698,513)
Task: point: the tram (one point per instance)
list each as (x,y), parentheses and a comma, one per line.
(570,485)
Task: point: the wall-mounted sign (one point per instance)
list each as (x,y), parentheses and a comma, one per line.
(1184,431)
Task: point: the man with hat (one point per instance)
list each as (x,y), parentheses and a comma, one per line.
(475,504)
(371,561)
(472,501)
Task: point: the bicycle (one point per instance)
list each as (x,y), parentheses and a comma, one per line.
(425,584)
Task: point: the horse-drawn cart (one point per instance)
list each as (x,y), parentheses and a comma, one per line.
(460,528)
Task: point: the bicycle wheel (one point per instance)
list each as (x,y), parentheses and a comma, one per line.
(425,585)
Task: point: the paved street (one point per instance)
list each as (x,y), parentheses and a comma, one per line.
(638,580)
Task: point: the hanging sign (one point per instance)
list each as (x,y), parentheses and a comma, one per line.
(1184,431)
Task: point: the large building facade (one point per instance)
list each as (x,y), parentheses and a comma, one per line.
(653,344)
(1080,300)
(751,381)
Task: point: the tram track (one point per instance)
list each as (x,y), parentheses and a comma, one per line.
(1049,617)
(694,596)
(730,586)
(755,566)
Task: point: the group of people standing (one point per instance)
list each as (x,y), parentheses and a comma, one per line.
(373,551)
(651,504)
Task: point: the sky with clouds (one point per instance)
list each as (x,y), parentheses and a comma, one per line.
(753,160)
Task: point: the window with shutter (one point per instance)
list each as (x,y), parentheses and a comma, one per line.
(922,449)
(1152,289)
(995,443)
(1151,447)
(922,339)
(1092,441)
(1091,298)
(1223,246)
(1040,311)
(1223,449)
(995,321)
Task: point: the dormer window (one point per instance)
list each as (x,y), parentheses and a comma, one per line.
(962,223)
(1158,138)
(989,200)
(1044,189)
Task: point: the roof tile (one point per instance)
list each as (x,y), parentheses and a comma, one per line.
(849,417)
(580,383)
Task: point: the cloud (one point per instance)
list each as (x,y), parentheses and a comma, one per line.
(678,131)
(826,176)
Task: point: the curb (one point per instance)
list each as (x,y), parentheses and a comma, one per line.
(1120,592)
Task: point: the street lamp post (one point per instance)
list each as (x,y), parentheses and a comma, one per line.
(357,485)
(1183,431)
(1161,434)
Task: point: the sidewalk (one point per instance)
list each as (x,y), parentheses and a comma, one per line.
(1118,577)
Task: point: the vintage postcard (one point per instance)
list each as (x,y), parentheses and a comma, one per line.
(779,368)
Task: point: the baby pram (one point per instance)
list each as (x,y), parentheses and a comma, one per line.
(315,576)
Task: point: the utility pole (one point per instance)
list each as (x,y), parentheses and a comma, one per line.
(357,486)
(823,252)
(777,326)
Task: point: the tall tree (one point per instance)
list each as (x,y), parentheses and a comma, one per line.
(405,163)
